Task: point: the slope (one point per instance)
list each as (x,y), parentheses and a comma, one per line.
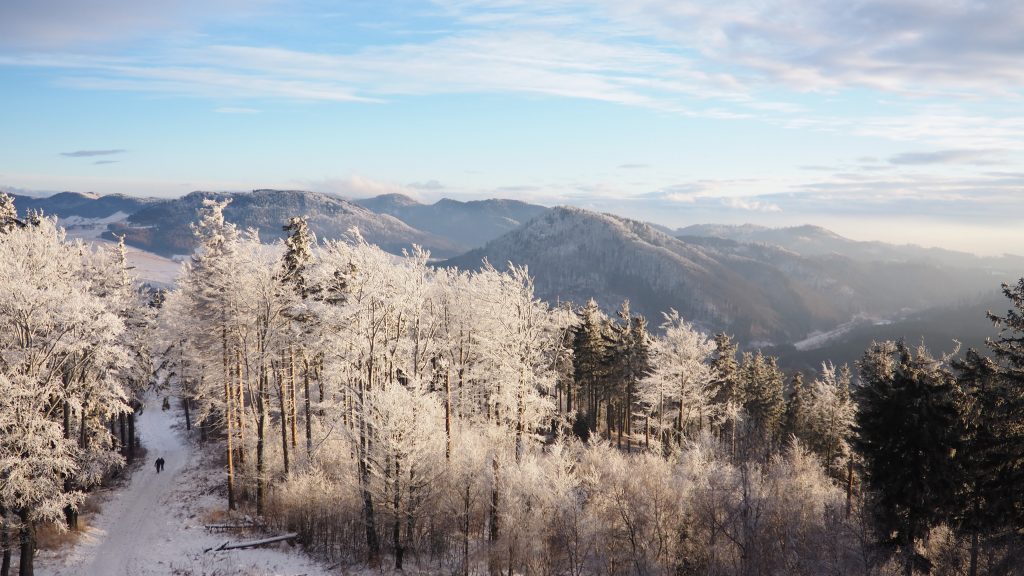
(163,227)
(469,224)
(757,292)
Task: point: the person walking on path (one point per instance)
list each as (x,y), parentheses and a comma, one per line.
(159,464)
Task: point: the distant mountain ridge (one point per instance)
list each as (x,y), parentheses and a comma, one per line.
(470,224)
(760,284)
(758,292)
(810,240)
(68,204)
(163,226)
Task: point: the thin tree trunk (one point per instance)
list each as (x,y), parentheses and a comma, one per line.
(240,411)
(5,543)
(369,519)
(309,421)
(447,415)
(188,415)
(972,569)
(291,387)
(282,403)
(396,528)
(261,435)
(227,420)
(493,513)
(131,434)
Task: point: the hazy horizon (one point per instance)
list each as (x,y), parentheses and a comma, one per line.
(893,121)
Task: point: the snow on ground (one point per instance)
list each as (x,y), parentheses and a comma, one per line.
(817,339)
(155,525)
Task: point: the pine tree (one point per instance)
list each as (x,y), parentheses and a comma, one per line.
(908,433)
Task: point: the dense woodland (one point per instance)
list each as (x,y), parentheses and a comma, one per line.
(395,413)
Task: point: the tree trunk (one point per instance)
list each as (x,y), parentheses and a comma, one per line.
(465,534)
(291,388)
(240,411)
(5,544)
(228,401)
(188,416)
(282,403)
(28,546)
(369,519)
(396,528)
(261,434)
(309,422)
(131,434)
(447,415)
(972,569)
(849,486)
(493,513)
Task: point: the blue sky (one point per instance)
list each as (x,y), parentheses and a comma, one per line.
(899,120)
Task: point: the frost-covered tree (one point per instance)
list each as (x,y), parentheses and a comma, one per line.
(678,389)
(64,365)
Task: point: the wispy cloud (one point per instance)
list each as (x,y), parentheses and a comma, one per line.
(633,166)
(91,153)
(973,157)
(99,162)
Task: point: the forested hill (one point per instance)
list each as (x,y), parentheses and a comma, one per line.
(758,292)
(70,204)
(163,226)
(470,224)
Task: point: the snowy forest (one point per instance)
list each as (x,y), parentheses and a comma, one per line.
(397,414)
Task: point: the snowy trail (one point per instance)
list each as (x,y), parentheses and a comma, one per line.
(122,540)
(154,526)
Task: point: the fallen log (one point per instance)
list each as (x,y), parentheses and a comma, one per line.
(229,527)
(254,543)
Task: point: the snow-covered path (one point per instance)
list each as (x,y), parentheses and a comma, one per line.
(154,526)
(120,541)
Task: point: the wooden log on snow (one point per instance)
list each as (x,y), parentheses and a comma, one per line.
(254,543)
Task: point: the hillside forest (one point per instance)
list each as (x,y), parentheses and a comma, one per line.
(400,414)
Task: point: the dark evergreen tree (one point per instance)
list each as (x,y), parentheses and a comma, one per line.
(986,504)
(761,383)
(793,424)
(724,365)
(589,363)
(908,433)
(627,362)
(1008,396)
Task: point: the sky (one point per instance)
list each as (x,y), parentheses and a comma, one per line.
(898,120)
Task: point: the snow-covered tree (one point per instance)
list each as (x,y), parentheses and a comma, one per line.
(679,388)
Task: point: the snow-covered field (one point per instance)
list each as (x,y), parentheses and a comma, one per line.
(155,525)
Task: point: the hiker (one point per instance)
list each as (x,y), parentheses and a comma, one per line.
(159,464)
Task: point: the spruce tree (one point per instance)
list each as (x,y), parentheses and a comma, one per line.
(793,423)
(908,433)
(1008,394)
(589,346)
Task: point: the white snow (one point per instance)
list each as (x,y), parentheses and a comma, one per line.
(155,525)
